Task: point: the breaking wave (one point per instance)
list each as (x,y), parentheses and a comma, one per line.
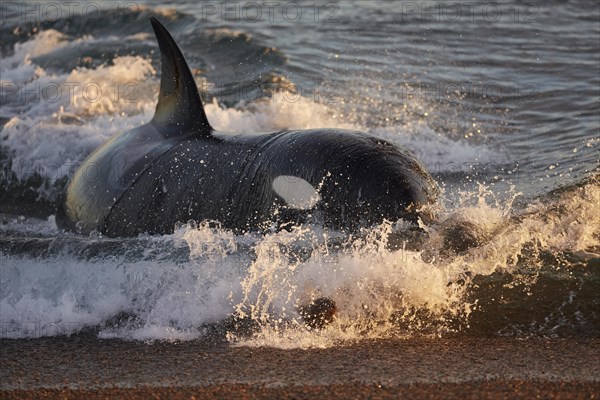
(532,271)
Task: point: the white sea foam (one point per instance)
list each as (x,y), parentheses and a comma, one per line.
(376,288)
(44,42)
(436,151)
(60,118)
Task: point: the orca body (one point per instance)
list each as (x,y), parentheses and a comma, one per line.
(176,168)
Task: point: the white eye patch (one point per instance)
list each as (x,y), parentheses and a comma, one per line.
(296,192)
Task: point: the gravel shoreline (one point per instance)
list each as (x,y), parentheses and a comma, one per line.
(87,367)
(468,390)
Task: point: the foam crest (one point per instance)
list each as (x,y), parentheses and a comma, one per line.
(381,292)
(118,88)
(440,153)
(289,111)
(176,287)
(53,149)
(45,42)
(61,118)
(278,112)
(374,287)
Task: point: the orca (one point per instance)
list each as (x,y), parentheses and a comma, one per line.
(178,168)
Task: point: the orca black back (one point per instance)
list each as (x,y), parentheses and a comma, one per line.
(177,167)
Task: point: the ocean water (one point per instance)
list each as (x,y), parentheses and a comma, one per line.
(500,100)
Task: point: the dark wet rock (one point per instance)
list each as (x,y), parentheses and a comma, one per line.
(319,313)
(462,236)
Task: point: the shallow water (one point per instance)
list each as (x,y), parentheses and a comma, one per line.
(499,100)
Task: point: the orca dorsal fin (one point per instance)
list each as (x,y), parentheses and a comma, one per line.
(179,108)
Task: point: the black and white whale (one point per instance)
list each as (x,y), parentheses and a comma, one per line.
(177,167)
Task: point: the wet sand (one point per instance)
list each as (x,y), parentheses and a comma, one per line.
(85,367)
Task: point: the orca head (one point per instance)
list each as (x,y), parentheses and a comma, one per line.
(374,180)
(393,187)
